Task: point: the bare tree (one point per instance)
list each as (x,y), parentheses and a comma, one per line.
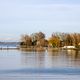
(26,40)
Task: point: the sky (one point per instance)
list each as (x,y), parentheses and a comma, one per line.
(19,17)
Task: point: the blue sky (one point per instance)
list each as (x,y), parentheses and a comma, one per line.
(28,16)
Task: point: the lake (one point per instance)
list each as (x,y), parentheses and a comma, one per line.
(18,65)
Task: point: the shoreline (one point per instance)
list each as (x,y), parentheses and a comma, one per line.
(39,49)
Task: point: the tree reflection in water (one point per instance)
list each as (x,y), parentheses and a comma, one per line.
(69,58)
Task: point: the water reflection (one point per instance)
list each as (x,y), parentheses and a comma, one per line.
(74,57)
(69,58)
(73,54)
(33,59)
(13,59)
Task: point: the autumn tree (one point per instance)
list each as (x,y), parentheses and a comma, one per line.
(42,43)
(76,39)
(40,35)
(38,38)
(69,40)
(34,38)
(54,41)
(26,40)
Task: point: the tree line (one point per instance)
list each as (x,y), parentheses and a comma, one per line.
(57,39)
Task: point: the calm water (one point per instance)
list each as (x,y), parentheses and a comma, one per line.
(18,65)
